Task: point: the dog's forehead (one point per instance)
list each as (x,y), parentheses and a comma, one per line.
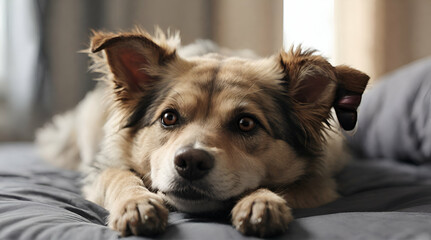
(229,73)
(212,79)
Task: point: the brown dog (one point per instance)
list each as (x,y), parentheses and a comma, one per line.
(200,133)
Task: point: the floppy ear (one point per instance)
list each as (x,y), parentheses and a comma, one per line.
(135,60)
(351,86)
(310,82)
(313,86)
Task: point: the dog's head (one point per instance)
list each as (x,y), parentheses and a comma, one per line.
(207,129)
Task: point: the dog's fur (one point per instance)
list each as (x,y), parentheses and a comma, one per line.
(262,125)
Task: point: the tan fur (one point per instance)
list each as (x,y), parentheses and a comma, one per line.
(132,206)
(252,214)
(284,162)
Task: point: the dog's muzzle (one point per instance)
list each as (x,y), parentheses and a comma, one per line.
(191,190)
(193,164)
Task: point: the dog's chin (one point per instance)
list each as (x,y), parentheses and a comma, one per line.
(193,200)
(193,204)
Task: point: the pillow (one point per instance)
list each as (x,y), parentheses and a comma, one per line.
(395,116)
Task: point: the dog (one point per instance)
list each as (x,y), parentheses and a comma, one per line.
(164,130)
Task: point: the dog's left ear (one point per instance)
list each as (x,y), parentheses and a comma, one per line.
(315,86)
(351,86)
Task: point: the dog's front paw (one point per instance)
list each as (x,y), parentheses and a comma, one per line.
(145,215)
(262,213)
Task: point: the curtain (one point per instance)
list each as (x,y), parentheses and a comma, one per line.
(379,36)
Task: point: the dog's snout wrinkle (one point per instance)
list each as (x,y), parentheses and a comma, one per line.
(192,163)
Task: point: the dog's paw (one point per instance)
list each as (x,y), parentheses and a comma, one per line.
(145,215)
(262,213)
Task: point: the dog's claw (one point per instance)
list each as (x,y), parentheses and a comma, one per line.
(259,220)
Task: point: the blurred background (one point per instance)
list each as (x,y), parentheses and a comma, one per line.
(42,73)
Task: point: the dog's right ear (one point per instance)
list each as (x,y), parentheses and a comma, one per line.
(136,60)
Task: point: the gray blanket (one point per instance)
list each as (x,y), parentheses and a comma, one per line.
(386,192)
(395,116)
(382,199)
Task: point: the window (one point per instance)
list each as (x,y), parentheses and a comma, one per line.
(310,23)
(3,5)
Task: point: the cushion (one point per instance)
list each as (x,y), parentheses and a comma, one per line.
(395,116)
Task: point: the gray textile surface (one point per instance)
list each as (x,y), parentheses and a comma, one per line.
(382,199)
(396,114)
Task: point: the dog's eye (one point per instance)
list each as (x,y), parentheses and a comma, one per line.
(169,118)
(246,124)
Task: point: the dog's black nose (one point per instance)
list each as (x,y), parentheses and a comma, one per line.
(193,164)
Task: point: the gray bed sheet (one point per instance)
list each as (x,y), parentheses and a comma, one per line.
(381,199)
